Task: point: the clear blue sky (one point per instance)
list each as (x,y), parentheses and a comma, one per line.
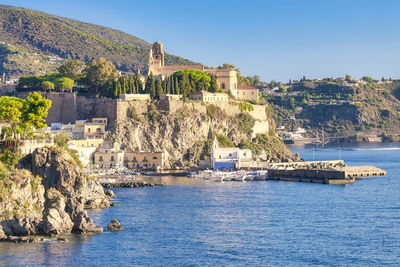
(278,40)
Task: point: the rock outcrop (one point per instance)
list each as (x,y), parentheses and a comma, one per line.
(115,225)
(184,132)
(48,195)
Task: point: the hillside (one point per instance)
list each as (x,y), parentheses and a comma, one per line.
(33,42)
(342,109)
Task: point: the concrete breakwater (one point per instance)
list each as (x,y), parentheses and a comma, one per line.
(327,172)
(128,184)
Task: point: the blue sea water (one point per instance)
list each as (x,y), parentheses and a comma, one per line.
(270,223)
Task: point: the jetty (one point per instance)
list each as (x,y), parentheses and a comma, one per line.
(326,172)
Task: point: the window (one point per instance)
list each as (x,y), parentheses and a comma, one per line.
(154,157)
(88,130)
(101,158)
(222,85)
(112,158)
(98,130)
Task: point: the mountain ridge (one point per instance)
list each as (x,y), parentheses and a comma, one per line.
(27,34)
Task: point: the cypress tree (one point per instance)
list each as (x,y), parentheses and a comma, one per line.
(116,89)
(164,84)
(177,90)
(159,88)
(150,87)
(172,89)
(185,84)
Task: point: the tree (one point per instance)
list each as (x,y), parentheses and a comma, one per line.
(11,109)
(29,82)
(367,79)
(172,89)
(65,84)
(348,78)
(72,69)
(150,87)
(177,89)
(46,85)
(159,89)
(35,110)
(62,139)
(99,71)
(184,84)
(21,114)
(213,85)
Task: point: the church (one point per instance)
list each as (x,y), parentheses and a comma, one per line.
(226,78)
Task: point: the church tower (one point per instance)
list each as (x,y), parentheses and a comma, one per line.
(156,58)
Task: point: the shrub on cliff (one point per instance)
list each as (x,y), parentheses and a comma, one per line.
(245,122)
(215,112)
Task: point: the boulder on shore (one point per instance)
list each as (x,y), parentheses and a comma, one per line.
(114,225)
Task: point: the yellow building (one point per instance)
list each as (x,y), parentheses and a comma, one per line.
(145,160)
(94,131)
(87,142)
(100,121)
(248,92)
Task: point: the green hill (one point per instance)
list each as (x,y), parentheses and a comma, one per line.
(31,42)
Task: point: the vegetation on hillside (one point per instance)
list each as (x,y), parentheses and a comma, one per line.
(339,107)
(33,38)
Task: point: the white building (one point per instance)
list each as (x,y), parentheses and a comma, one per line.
(228,157)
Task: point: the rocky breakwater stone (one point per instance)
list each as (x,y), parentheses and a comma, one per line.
(114,225)
(128,184)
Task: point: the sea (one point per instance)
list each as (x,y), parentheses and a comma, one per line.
(262,223)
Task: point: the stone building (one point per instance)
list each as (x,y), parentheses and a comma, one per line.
(248,92)
(145,160)
(205,96)
(226,78)
(108,158)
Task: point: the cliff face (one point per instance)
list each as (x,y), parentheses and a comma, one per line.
(184,133)
(47,195)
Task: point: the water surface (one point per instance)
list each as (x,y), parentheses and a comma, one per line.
(251,223)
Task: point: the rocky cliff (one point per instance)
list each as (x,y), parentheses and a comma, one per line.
(185,133)
(47,195)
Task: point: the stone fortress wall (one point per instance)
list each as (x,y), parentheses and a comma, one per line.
(69,107)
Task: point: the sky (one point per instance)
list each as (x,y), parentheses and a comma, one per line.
(277,40)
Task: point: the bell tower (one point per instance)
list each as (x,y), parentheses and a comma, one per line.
(156,58)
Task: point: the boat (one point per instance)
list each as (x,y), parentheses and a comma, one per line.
(261,176)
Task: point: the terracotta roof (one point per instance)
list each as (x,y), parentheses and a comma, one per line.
(246,87)
(183,67)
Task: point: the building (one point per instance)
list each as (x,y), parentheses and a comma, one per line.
(248,92)
(226,78)
(145,160)
(205,96)
(229,158)
(108,158)
(165,97)
(137,97)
